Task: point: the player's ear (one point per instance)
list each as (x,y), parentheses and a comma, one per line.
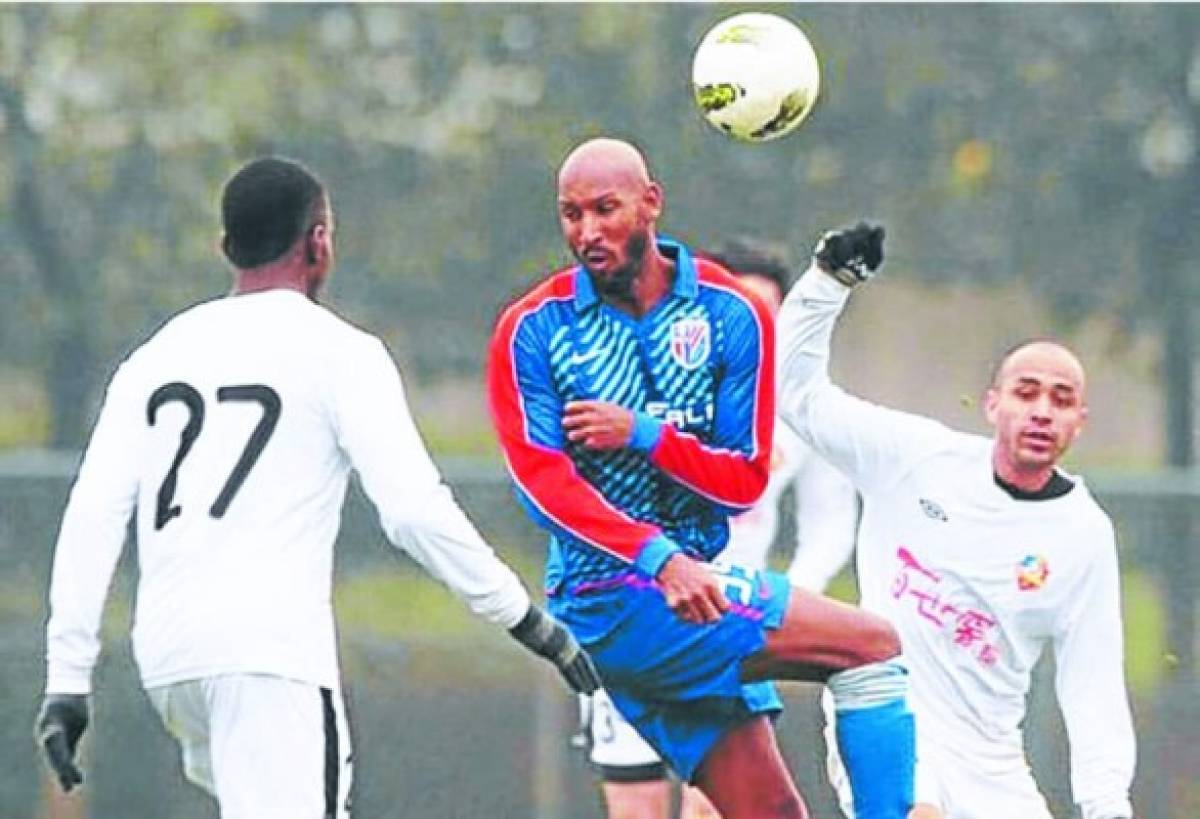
(991,401)
(1083,416)
(316,243)
(654,198)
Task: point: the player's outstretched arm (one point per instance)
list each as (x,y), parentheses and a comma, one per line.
(548,638)
(870,444)
(841,260)
(59,726)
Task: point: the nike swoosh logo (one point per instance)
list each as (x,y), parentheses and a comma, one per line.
(583,358)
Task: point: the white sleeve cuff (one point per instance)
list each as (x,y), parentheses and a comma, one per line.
(1114,807)
(61,679)
(815,283)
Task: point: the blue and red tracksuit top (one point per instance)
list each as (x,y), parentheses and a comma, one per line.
(698,372)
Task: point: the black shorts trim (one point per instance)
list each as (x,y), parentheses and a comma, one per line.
(650,772)
(329,716)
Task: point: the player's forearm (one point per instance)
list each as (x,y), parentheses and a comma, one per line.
(89,546)
(558,499)
(440,537)
(1116,806)
(89,543)
(1103,747)
(1103,755)
(734,480)
(1090,684)
(804,334)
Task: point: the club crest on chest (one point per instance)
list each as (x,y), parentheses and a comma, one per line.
(691,342)
(1032,572)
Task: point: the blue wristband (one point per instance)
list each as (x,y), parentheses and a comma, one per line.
(646,432)
(654,555)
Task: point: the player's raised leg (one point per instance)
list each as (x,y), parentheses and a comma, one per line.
(857,654)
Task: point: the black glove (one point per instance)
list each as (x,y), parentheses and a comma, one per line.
(59,726)
(851,255)
(546,637)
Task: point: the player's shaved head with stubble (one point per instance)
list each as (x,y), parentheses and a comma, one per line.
(1040,349)
(621,161)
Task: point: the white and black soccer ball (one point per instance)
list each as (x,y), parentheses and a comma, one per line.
(755,76)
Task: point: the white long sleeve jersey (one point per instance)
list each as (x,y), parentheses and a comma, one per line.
(976,583)
(231,433)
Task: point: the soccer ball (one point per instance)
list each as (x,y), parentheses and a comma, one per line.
(755,76)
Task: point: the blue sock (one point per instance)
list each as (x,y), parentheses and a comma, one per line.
(877,738)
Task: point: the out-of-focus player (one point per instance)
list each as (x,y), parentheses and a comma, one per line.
(635,782)
(982,552)
(633,395)
(231,434)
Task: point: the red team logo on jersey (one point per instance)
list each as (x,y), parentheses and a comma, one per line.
(691,342)
(1032,573)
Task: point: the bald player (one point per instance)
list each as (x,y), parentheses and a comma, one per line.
(633,396)
(982,552)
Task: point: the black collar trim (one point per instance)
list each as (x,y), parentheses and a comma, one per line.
(1056,487)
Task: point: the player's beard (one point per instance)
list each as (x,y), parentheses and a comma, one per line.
(619,283)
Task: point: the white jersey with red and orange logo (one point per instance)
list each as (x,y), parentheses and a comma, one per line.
(977,583)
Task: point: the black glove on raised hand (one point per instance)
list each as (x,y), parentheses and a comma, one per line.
(546,637)
(60,724)
(851,255)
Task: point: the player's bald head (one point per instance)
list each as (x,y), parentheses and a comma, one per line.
(1041,354)
(613,161)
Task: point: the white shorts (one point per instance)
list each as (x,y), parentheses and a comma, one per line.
(618,750)
(266,747)
(949,781)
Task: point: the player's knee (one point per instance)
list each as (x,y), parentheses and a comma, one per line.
(923,811)
(766,804)
(878,641)
(782,806)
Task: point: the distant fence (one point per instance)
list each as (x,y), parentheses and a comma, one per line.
(479,731)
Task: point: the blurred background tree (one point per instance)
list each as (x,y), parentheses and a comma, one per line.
(1049,144)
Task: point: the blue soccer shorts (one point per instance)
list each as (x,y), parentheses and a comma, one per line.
(678,683)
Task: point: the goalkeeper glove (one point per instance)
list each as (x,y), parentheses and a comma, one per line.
(60,724)
(851,255)
(546,637)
